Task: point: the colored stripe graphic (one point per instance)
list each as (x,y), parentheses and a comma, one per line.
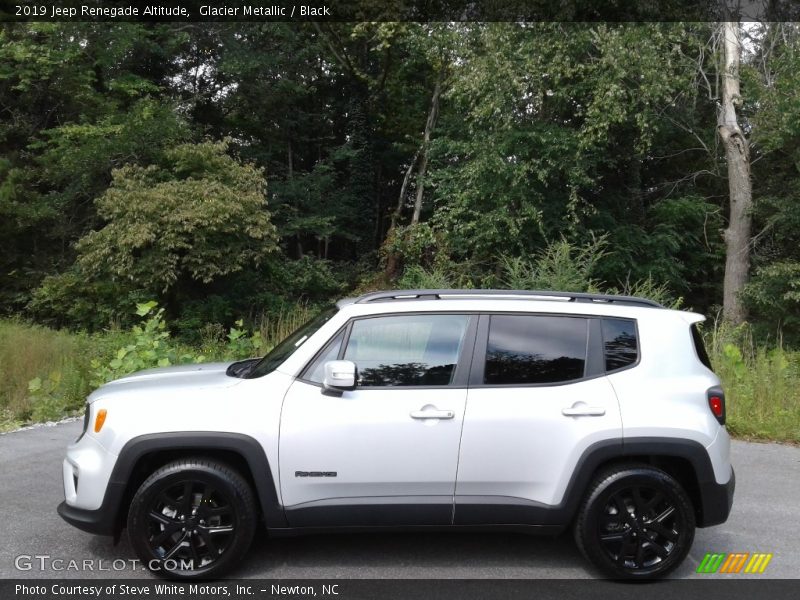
(734,562)
(710,563)
(718,562)
(758,563)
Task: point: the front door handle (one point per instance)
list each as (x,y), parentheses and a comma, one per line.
(579,409)
(432,414)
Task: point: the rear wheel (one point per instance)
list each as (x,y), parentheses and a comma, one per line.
(635,522)
(192,518)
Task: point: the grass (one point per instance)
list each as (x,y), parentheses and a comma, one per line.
(30,351)
(60,362)
(762,383)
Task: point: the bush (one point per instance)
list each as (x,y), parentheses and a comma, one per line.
(773,296)
(560,266)
(47,375)
(149,347)
(648,288)
(762,384)
(416,277)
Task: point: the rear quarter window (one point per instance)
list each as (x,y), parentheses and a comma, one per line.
(700,347)
(620,344)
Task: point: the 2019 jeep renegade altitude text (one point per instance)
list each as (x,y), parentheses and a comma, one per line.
(528,411)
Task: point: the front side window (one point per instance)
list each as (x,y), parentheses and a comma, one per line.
(406,349)
(288,346)
(315,372)
(524,349)
(619,343)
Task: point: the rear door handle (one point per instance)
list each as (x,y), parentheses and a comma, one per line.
(581,410)
(432,414)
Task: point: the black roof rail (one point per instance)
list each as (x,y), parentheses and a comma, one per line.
(392,295)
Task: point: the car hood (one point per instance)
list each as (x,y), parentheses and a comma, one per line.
(169,379)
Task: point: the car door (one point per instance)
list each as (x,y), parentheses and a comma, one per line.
(538,398)
(385,453)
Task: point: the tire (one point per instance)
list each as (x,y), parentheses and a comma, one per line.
(191,519)
(636,522)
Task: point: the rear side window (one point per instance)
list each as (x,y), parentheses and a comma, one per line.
(620,346)
(535,349)
(700,347)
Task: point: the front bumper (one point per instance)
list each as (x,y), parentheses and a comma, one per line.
(99,522)
(92,498)
(717,500)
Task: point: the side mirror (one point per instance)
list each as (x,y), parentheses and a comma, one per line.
(340,375)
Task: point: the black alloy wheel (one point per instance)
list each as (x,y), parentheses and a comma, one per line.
(192,519)
(636,522)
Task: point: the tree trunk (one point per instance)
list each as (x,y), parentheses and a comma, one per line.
(401,198)
(737,154)
(421,155)
(423,165)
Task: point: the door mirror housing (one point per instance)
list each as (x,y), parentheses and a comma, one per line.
(340,376)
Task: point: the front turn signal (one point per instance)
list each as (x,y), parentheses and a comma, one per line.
(99,420)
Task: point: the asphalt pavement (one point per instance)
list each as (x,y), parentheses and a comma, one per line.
(765,516)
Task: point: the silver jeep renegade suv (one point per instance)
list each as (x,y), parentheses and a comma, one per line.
(509,410)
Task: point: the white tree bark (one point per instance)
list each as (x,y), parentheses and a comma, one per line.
(426,140)
(737,154)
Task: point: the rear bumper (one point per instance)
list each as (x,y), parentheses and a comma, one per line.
(717,499)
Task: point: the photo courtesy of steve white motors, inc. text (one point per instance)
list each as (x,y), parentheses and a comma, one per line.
(120,12)
(171,589)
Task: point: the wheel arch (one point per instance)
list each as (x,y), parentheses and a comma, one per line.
(143,454)
(685,460)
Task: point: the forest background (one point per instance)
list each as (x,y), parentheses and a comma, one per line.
(182,192)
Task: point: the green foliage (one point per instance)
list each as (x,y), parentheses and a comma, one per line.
(546,131)
(674,245)
(762,385)
(78,159)
(309,277)
(416,244)
(150,346)
(44,374)
(200,217)
(48,403)
(559,266)
(551,126)
(242,343)
(773,294)
(418,277)
(650,289)
(74,298)
(78,100)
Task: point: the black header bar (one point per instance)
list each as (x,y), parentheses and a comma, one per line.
(399,10)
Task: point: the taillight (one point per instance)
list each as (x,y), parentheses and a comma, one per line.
(716,402)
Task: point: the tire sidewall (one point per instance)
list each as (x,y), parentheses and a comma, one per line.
(599,498)
(244,519)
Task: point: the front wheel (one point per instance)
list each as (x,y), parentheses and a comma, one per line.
(192,518)
(636,522)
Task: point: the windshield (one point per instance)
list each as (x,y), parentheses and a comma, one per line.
(288,346)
